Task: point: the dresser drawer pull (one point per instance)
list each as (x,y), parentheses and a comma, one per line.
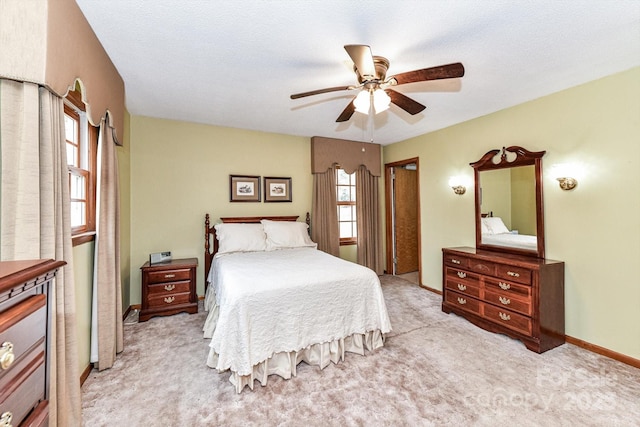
(462,287)
(505,301)
(169,287)
(462,301)
(513,274)
(454,261)
(504,316)
(169,276)
(5,419)
(462,275)
(6,356)
(504,286)
(169,300)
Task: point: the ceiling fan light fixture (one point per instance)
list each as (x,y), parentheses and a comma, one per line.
(381,101)
(362,102)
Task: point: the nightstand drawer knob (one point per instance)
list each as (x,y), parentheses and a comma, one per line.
(462,301)
(5,419)
(462,287)
(504,316)
(504,286)
(169,300)
(6,355)
(462,275)
(169,287)
(169,276)
(505,301)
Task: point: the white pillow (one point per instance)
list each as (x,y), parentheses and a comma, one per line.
(496,225)
(485,227)
(240,238)
(287,234)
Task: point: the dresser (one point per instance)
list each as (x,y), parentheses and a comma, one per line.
(168,288)
(519,296)
(25,341)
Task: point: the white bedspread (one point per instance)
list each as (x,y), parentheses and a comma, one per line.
(521,241)
(267,304)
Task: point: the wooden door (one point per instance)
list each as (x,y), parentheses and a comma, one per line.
(406,220)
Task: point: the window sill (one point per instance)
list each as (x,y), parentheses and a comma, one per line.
(83,238)
(348,242)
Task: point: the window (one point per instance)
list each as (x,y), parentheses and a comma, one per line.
(346,198)
(82,142)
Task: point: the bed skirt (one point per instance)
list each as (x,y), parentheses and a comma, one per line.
(285,363)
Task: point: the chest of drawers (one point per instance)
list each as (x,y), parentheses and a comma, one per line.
(25,341)
(518,296)
(169,288)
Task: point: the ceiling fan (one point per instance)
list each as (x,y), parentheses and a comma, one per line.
(375,92)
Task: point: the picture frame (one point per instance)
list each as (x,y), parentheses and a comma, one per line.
(244,188)
(277,189)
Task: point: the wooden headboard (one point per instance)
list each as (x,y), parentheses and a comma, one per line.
(211,243)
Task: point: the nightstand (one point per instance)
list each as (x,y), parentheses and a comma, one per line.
(169,288)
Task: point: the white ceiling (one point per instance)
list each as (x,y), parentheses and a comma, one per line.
(234,63)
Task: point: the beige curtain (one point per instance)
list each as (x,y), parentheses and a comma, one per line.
(324,212)
(368,214)
(106,325)
(35,222)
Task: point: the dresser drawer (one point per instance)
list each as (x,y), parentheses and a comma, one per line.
(463,301)
(455,261)
(22,326)
(21,391)
(169,300)
(464,287)
(514,274)
(483,267)
(463,275)
(168,288)
(508,318)
(505,286)
(169,275)
(39,417)
(507,300)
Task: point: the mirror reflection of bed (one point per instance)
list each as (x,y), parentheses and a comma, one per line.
(496,233)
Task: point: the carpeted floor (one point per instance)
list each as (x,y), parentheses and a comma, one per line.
(435,370)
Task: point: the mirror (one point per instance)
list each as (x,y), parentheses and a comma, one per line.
(509,213)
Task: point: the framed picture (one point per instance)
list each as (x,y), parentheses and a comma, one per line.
(244,188)
(277,189)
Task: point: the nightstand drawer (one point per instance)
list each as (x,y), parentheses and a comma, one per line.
(20,391)
(168,300)
(168,288)
(169,275)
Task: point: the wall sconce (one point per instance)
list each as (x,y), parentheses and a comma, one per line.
(567,174)
(567,183)
(458,185)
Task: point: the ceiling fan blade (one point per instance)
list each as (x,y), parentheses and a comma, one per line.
(347,112)
(363,59)
(448,71)
(407,104)
(319,91)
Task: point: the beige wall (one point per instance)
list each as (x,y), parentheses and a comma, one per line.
(594,229)
(180,171)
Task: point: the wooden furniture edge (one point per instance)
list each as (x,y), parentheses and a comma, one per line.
(85,374)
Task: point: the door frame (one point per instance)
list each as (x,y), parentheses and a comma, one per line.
(389,221)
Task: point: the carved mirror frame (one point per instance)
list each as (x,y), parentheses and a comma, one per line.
(523,157)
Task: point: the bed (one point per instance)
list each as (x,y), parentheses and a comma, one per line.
(274,300)
(495,232)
